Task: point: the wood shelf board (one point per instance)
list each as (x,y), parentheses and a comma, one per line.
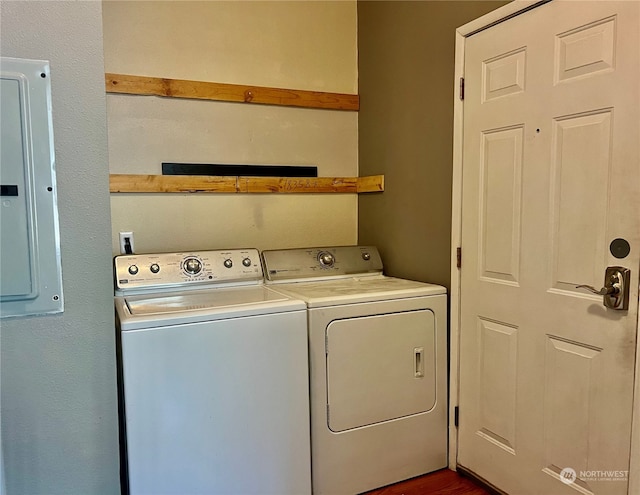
(130,183)
(182,88)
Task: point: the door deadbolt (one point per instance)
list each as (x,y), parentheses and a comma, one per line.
(616,287)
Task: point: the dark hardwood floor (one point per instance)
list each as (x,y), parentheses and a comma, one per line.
(443,482)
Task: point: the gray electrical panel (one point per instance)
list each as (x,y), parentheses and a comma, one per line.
(30,271)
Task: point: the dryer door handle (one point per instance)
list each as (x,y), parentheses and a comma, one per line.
(418,362)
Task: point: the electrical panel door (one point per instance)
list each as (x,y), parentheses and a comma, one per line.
(30,273)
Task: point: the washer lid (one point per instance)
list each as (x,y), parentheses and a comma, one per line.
(356,290)
(202,300)
(145,311)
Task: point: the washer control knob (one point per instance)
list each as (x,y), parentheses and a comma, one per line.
(366,256)
(246,262)
(155,268)
(228,263)
(326,259)
(133,269)
(192,266)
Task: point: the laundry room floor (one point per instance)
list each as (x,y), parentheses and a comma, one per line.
(443,482)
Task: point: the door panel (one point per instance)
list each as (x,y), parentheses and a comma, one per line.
(580,169)
(572,394)
(503,74)
(501,185)
(497,371)
(586,50)
(550,177)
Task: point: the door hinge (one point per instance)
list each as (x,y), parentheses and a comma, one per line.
(461,88)
(327,413)
(459,257)
(456,416)
(326,344)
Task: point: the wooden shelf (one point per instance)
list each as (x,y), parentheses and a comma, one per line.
(182,88)
(129,183)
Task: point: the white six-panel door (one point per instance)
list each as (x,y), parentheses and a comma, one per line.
(550,177)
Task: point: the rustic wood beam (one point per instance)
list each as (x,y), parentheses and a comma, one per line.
(202,90)
(131,183)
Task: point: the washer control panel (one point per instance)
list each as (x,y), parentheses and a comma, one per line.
(288,264)
(166,270)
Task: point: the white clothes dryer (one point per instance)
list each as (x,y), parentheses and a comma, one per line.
(213,377)
(378,366)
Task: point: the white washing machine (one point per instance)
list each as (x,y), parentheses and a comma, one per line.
(378,367)
(213,377)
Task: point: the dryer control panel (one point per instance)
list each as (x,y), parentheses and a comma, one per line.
(197,269)
(312,263)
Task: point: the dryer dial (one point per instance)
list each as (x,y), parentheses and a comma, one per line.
(326,259)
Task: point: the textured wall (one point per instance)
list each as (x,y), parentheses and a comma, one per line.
(59,412)
(406,66)
(298,45)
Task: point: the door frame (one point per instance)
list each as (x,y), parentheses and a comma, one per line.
(499,15)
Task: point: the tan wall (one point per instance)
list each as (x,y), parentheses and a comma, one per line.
(299,45)
(406,67)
